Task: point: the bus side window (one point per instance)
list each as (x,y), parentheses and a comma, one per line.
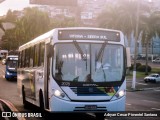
(27,57)
(19,60)
(23,59)
(41,57)
(31,56)
(36,55)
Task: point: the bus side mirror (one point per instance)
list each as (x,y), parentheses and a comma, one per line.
(128,57)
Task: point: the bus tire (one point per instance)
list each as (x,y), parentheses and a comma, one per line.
(25,103)
(41,101)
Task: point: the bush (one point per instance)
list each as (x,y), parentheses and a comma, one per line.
(131,68)
(142,68)
(137,65)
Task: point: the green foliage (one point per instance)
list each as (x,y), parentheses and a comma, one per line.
(137,65)
(1,25)
(32,24)
(142,68)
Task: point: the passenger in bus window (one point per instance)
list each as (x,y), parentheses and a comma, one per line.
(88,78)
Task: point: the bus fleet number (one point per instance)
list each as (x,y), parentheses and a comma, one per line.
(65,83)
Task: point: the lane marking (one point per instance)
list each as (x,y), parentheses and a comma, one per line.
(157,90)
(155,108)
(138,83)
(128,104)
(150,101)
(154,88)
(141,83)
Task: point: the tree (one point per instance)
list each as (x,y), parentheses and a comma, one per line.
(1,25)
(121,16)
(32,24)
(150,26)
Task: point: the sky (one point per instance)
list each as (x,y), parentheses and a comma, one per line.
(13,5)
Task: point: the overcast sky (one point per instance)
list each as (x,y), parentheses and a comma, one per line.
(13,5)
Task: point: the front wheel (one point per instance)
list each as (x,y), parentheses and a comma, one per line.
(25,103)
(41,101)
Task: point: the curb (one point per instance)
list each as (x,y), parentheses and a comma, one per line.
(142,89)
(9,107)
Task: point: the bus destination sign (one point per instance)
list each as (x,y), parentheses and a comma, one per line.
(89,35)
(13,58)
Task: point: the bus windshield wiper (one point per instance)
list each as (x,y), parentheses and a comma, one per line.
(100,55)
(83,56)
(101,50)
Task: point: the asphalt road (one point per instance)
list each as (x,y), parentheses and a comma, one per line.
(146,99)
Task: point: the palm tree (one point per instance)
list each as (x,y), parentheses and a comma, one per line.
(150,26)
(121,16)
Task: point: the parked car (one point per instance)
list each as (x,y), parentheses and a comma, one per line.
(152,78)
(157,60)
(140,57)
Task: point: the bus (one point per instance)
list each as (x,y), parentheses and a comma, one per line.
(11,67)
(76,69)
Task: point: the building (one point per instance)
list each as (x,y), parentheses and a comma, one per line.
(85,10)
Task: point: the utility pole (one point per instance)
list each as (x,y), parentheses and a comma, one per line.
(135,50)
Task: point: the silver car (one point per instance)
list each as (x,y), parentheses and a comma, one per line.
(152,78)
(157,60)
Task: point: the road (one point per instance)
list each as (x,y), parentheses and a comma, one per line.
(143,100)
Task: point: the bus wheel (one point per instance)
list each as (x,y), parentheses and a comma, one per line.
(41,101)
(25,103)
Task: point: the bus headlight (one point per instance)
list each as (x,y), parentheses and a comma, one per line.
(8,73)
(120,94)
(58,93)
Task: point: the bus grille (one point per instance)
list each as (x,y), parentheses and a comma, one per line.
(89,91)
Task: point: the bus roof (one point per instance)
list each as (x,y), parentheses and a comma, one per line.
(12,56)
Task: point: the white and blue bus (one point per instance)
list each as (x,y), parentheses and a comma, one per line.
(11,67)
(74,69)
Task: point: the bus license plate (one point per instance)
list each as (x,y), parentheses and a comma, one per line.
(90,107)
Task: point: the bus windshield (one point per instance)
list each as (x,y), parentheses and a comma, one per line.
(12,64)
(95,63)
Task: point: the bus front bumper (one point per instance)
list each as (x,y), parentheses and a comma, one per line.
(60,105)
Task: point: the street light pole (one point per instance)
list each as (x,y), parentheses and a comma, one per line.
(135,50)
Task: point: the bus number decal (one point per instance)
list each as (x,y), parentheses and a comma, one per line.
(65,84)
